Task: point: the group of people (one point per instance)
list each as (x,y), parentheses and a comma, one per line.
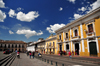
(31,54)
(68,52)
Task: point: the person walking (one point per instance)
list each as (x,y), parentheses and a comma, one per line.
(60,53)
(18,54)
(69,54)
(30,55)
(33,54)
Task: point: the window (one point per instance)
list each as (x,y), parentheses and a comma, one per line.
(16,46)
(5,46)
(60,37)
(90,28)
(75,32)
(66,35)
(19,46)
(9,46)
(12,46)
(22,46)
(50,44)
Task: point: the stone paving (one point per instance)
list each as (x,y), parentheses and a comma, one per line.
(3,55)
(26,61)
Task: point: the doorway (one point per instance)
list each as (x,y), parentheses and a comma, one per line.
(60,47)
(77,49)
(93,49)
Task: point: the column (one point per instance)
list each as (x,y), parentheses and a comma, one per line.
(81,29)
(63,41)
(71,38)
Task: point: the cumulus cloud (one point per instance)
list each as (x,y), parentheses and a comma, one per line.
(27,17)
(54,27)
(82,9)
(2,16)
(2,4)
(3,27)
(11,32)
(77,16)
(29,33)
(60,9)
(73,1)
(12,13)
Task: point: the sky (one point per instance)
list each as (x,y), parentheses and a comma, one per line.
(29,20)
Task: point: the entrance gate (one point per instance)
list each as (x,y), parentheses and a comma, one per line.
(93,49)
(77,49)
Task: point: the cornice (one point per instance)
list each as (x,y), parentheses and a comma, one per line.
(92,15)
(51,39)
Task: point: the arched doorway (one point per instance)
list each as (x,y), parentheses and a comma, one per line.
(93,48)
(77,49)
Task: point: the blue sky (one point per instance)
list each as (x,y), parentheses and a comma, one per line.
(29,20)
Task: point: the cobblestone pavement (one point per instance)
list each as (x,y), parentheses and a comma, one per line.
(26,61)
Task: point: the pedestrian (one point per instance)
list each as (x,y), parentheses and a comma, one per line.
(30,55)
(64,52)
(18,54)
(33,54)
(60,53)
(75,51)
(69,54)
(27,53)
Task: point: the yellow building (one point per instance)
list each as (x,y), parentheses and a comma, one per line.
(82,36)
(51,44)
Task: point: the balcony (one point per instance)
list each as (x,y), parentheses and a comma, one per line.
(66,39)
(59,40)
(75,37)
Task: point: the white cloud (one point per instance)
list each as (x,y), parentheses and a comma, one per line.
(3,27)
(27,17)
(82,9)
(12,13)
(2,4)
(60,9)
(29,33)
(54,27)
(20,9)
(11,32)
(95,4)
(92,6)
(77,16)
(73,1)
(2,16)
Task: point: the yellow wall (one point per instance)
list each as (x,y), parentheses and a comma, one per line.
(51,41)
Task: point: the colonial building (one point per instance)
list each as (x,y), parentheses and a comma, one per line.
(82,36)
(30,46)
(12,45)
(51,44)
(40,45)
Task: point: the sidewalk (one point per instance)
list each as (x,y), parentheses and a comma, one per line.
(77,56)
(26,61)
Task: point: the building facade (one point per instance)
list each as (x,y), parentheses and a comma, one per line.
(82,36)
(40,45)
(12,45)
(51,45)
(30,47)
